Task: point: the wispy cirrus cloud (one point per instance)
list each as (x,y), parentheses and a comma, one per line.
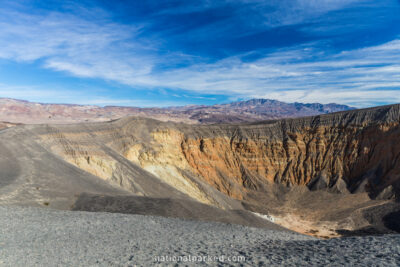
(287,12)
(270,13)
(144,53)
(67,42)
(357,77)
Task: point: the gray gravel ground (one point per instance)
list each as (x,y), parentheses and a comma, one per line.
(42,237)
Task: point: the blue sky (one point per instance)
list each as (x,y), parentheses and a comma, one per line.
(178,52)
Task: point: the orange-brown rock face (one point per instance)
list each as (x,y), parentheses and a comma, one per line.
(332,153)
(285,164)
(322,154)
(356,151)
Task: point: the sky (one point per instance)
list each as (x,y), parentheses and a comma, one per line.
(183,52)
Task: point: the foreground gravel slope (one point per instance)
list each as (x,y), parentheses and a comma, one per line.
(41,237)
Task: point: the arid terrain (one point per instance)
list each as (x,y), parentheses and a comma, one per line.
(327,176)
(200,133)
(19,111)
(231,190)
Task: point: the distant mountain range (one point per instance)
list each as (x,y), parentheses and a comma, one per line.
(20,111)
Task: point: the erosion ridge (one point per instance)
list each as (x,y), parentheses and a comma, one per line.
(322,175)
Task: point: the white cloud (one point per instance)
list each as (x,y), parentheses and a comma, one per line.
(69,43)
(357,77)
(358,98)
(287,12)
(36,93)
(114,52)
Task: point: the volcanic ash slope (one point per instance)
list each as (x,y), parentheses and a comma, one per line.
(41,237)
